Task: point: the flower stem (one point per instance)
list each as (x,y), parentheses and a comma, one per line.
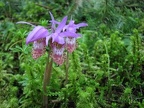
(67,67)
(46,81)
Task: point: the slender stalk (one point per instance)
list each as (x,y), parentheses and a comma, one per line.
(67,68)
(46,81)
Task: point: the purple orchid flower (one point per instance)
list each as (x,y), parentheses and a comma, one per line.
(39,32)
(72,27)
(61,35)
(38,37)
(58,40)
(58,35)
(71,40)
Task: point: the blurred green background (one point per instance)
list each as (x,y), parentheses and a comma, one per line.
(106,70)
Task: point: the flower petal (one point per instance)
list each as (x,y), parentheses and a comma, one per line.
(47,39)
(71,22)
(52,21)
(65,27)
(61,25)
(38,32)
(60,40)
(69,34)
(56,22)
(54,36)
(81,25)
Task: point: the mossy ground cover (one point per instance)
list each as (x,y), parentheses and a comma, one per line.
(105,71)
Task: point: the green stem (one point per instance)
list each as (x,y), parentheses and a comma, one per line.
(46,81)
(67,68)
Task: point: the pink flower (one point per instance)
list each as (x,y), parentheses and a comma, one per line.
(62,36)
(58,40)
(58,53)
(38,48)
(71,40)
(38,37)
